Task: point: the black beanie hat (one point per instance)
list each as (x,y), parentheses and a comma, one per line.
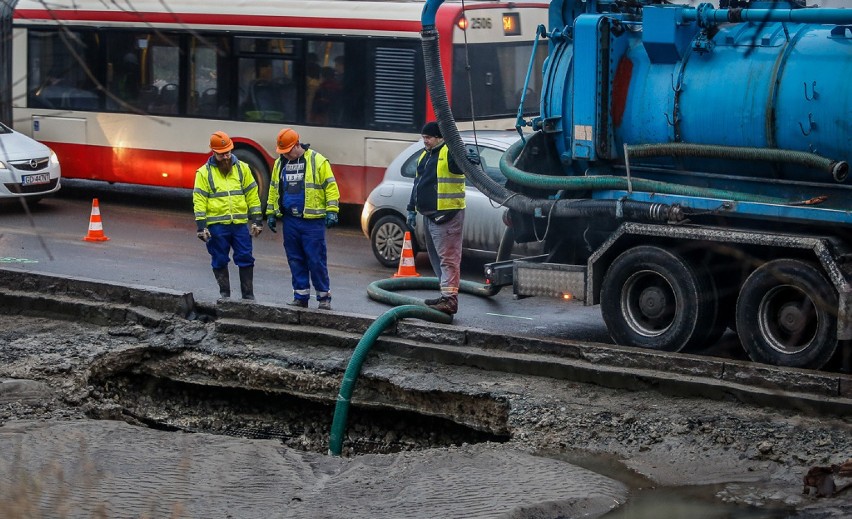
(432,130)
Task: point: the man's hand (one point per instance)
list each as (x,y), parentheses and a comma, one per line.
(270,222)
(256,229)
(473,157)
(330,220)
(412,219)
(203,234)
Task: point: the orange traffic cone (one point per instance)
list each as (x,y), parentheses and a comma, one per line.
(406,259)
(96,228)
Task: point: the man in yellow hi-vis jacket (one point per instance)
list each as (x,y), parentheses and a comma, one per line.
(303,192)
(225,198)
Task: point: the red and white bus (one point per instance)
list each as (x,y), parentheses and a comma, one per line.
(129,91)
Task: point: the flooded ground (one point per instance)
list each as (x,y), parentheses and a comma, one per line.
(647,500)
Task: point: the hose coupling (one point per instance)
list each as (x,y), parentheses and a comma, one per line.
(840,170)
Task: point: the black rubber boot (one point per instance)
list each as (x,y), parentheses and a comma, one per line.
(247,282)
(224,282)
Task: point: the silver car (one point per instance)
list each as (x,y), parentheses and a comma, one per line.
(28,168)
(384,214)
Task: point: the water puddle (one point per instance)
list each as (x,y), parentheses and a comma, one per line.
(647,501)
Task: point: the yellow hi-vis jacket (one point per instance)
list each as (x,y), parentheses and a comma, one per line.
(321,193)
(225,199)
(450,185)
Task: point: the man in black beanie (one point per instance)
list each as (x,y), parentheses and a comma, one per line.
(438,194)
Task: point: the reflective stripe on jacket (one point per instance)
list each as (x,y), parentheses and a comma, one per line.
(450,185)
(217,198)
(321,193)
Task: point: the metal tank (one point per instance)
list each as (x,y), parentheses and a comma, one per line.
(757,100)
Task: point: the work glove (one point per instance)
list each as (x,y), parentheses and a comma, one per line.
(203,234)
(270,222)
(331,220)
(412,219)
(256,229)
(473,157)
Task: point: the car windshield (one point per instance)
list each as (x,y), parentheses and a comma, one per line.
(5,129)
(489,157)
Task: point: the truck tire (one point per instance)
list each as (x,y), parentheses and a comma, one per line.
(787,315)
(654,298)
(386,239)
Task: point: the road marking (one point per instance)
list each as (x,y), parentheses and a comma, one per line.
(512,316)
(17,260)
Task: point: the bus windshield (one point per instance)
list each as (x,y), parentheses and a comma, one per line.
(497,74)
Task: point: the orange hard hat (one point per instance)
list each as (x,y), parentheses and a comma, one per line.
(287,138)
(221,143)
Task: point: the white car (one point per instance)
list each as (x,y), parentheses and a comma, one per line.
(384,214)
(28,168)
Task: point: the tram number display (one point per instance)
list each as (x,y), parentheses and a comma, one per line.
(480,23)
(512,24)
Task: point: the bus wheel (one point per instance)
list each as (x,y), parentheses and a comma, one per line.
(787,315)
(654,298)
(260,170)
(387,239)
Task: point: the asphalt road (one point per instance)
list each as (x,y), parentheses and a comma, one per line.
(152,242)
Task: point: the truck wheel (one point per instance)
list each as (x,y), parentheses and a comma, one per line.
(387,238)
(786,315)
(654,298)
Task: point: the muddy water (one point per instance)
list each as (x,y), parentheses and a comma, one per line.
(646,501)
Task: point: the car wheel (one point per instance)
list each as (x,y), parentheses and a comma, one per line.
(387,238)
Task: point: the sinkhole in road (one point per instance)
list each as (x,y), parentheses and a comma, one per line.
(244,399)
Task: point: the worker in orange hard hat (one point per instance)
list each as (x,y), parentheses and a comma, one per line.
(304,194)
(225,198)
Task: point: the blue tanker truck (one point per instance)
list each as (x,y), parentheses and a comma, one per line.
(688,172)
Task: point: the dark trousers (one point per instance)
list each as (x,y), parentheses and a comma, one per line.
(304,245)
(227,236)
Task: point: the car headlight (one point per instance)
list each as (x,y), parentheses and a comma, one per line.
(3,165)
(54,160)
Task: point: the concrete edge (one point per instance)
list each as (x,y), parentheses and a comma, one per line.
(598,370)
(42,293)
(163,300)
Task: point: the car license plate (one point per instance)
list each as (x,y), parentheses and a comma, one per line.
(38,178)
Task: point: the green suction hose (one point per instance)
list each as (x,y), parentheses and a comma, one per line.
(597,182)
(383,291)
(353,370)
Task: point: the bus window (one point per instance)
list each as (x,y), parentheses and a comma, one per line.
(164,74)
(324,100)
(267,90)
(124,80)
(209,88)
(266,69)
(56,78)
